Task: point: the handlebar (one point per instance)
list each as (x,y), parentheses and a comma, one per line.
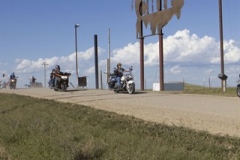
(63,74)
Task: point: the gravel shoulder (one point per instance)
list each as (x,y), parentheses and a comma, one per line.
(215,114)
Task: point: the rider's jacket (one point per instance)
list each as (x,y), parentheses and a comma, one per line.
(119,72)
(12,76)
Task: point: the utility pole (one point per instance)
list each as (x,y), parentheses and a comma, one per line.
(108,60)
(76,26)
(44,64)
(109,52)
(101,84)
(222,76)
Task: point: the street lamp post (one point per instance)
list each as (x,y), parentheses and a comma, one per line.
(76,26)
(44,64)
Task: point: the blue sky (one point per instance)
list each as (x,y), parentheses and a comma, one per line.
(33,32)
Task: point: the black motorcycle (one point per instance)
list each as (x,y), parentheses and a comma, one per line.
(238,87)
(63,79)
(112,82)
(13,83)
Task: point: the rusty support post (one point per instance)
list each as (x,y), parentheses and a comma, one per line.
(142,63)
(141,55)
(161,60)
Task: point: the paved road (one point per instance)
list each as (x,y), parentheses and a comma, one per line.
(216,114)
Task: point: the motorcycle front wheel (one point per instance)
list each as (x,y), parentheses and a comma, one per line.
(131,88)
(12,86)
(238,92)
(116,91)
(64,87)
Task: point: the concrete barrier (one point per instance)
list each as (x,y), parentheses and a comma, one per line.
(171,86)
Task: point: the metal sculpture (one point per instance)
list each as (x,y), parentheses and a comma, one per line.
(157,20)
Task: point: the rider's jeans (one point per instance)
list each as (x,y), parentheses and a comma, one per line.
(56,82)
(118,81)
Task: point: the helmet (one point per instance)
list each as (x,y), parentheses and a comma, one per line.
(57,67)
(119,64)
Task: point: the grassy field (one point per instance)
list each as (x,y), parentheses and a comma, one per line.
(36,129)
(195,89)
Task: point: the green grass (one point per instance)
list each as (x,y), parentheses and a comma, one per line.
(195,89)
(36,129)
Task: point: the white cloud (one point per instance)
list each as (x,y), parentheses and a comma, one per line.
(127,55)
(91,70)
(182,47)
(66,62)
(175,70)
(231,53)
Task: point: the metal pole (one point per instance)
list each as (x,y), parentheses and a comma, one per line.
(101,84)
(141,63)
(76,26)
(44,65)
(109,55)
(141,55)
(96,61)
(108,60)
(221,43)
(161,65)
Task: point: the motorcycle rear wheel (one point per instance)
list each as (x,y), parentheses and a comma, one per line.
(238,92)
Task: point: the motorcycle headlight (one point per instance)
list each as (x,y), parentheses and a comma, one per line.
(12,80)
(64,77)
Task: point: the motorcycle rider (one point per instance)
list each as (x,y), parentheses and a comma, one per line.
(56,79)
(52,80)
(12,76)
(119,73)
(33,80)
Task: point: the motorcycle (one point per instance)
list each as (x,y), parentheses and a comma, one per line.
(63,79)
(238,87)
(13,83)
(127,82)
(4,85)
